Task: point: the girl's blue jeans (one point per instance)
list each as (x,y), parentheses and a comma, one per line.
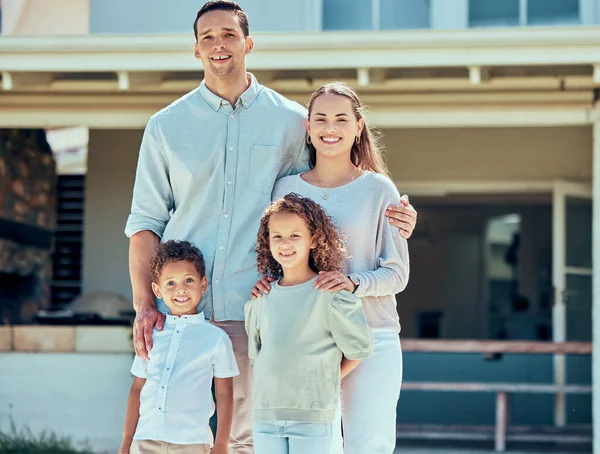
(292,437)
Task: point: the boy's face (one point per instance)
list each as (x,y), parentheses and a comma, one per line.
(181,287)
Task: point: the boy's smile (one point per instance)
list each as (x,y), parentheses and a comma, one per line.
(181,287)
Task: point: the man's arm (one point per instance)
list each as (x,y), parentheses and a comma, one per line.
(142,247)
(133,414)
(224,397)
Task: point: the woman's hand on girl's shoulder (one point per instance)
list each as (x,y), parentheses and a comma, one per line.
(333,281)
(263,285)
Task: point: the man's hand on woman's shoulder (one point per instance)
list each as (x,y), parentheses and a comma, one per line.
(403,216)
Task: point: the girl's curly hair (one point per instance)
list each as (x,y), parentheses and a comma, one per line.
(329,252)
(175,251)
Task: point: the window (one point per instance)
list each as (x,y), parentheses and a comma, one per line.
(511,13)
(375,14)
(550,12)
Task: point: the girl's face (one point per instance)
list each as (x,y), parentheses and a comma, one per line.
(290,241)
(332,125)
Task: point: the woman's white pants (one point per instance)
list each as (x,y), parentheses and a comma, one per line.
(369,398)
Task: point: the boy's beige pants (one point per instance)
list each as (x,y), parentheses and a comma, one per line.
(162,447)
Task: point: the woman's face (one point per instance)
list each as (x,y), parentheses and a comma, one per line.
(332,125)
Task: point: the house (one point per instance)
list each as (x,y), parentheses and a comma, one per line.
(490,117)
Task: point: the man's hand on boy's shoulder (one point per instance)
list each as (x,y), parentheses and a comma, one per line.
(145,321)
(219,448)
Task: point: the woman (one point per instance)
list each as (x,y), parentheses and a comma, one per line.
(350,180)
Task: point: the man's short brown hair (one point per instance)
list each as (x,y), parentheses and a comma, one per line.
(224,5)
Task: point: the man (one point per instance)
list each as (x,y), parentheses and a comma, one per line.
(206,169)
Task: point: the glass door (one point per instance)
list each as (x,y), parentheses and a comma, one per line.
(572,275)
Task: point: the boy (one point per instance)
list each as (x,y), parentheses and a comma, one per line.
(170,402)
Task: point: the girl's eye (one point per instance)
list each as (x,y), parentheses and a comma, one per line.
(295,235)
(170,283)
(276,236)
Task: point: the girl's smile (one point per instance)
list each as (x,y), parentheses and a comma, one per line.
(291,242)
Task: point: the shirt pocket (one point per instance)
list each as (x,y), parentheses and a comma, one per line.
(264,167)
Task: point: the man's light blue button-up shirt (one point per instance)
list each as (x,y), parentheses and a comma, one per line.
(205,174)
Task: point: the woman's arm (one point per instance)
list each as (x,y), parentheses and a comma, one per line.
(348,365)
(132,415)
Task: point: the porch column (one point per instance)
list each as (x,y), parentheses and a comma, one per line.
(596,281)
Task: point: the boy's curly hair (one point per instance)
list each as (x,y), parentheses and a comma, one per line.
(329,252)
(175,251)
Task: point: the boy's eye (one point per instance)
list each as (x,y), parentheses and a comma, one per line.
(295,235)
(189,279)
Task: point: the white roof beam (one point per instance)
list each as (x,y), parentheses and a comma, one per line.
(362,77)
(123,80)
(7,81)
(478,74)
(597,73)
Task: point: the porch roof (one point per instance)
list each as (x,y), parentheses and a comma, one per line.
(476,77)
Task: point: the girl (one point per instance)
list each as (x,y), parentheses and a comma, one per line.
(297,335)
(350,180)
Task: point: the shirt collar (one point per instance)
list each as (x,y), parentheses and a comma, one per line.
(197,318)
(246,98)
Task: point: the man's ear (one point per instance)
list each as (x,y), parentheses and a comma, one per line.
(249,44)
(156,290)
(196,50)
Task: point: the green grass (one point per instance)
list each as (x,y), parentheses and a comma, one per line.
(25,442)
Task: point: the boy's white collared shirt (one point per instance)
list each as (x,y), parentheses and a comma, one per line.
(176,401)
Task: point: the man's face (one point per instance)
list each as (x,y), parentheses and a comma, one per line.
(220,43)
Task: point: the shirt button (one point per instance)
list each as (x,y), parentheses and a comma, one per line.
(229,183)
(216,281)
(226,215)
(230,148)
(232,116)
(221,248)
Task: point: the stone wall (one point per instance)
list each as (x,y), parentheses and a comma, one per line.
(27,223)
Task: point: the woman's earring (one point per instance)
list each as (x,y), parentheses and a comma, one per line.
(357,140)
(308,140)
